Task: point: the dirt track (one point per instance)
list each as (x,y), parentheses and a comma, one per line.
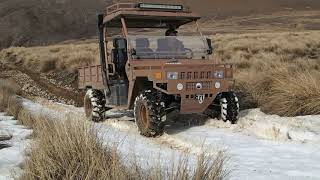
(32,84)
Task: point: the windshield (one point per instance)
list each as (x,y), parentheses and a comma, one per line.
(168,47)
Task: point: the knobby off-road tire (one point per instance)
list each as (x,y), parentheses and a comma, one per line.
(94,104)
(149,112)
(229,107)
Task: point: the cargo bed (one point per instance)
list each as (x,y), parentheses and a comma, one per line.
(90,76)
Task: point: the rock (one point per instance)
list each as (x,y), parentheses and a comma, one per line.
(5,135)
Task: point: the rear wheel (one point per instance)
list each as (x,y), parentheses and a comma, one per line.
(229,104)
(149,112)
(94,104)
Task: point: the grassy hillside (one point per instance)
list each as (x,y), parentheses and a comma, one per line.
(278,72)
(34,22)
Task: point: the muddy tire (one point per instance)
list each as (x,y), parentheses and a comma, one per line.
(229,104)
(94,105)
(149,113)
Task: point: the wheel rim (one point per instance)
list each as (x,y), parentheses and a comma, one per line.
(143,116)
(88,107)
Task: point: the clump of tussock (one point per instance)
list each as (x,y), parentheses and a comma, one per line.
(48,65)
(277,72)
(8,89)
(284,90)
(73,149)
(291,93)
(70,150)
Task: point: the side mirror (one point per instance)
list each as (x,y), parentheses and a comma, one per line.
(210,50)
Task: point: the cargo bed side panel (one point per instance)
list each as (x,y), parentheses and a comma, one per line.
(90,76)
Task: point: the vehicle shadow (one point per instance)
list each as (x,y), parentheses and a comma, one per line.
(177,123)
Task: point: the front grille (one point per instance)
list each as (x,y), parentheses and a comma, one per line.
(196,75)
(206,85)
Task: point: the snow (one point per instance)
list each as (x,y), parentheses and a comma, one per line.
(253,122)
(251,157)
(12,157)
(260,146)
(254,158)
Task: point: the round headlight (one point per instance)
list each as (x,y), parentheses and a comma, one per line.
(217,85)
(179,86)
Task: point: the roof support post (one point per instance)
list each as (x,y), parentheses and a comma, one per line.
(124,28)
(125,34)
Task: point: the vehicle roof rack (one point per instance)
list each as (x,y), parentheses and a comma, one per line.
(148,15)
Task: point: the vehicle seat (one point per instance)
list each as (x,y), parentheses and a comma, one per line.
(143,49)
(163,49)
(120,56)
(163,45)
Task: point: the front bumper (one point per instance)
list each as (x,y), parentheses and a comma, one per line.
(193,98)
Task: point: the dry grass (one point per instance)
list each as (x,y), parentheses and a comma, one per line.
(262,61)
(292,94)
(278,72)
(70,150)
(52,58)
(73,149)
(8,89)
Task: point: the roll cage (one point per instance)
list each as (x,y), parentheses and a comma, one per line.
(132,15)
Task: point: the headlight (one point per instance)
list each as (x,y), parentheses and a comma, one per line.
(179,86)
(219,74)
(172,75)
(217,85)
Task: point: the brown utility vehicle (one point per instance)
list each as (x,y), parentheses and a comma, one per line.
(155,75)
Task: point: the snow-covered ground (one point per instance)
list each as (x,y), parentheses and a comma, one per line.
(11,158)
(260,147)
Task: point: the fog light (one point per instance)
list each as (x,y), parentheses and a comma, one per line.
(179,86)
(217,85)
(199,86)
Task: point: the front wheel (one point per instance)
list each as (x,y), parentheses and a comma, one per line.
(229,105)
(149,112)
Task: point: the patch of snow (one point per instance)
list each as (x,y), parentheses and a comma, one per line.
(254,158)
(260,146)
(12,157)
(253,122)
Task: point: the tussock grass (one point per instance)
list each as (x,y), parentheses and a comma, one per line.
(8,89)
(292,93)
(278,72)
(52,58)
(70,150)
(73,149)
(262,61)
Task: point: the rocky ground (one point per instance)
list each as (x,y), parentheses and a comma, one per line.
(52,86)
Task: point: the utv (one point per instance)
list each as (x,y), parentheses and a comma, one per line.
(155,75)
